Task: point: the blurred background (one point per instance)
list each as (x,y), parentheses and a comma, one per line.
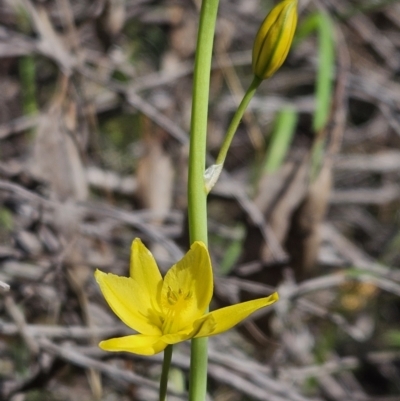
(95,102)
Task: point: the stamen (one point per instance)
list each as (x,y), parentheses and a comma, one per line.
(173,298)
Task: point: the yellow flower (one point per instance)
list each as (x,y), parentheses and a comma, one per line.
(274,39)
(170,310)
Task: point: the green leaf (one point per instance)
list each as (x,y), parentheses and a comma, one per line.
(285,125)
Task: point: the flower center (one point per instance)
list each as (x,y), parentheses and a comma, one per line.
(177,301)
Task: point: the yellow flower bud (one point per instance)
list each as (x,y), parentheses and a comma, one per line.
(274,39)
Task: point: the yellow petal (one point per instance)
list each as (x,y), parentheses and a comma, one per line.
(129,303)
(137,344)
(178,337)
(223,319)
(187,288)
(145,273)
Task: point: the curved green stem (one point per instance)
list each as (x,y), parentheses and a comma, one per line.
(236,120)
(197,194)
(164,373)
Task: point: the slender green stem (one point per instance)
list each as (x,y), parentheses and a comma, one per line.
(236,119)
(27,70)
(281,139)
(321,23)
(165,371)
(197,194)
(326,66)
(198,369)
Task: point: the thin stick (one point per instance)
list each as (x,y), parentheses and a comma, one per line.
(165,370)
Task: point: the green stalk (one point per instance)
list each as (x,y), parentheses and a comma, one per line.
(236,120)
(197,194)
(281,138)
(26,66)
(164,373)
(321,23)
(27,73)
(212,173)
(325,75)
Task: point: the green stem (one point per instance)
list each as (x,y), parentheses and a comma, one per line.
(198,369)
(27,71)
(197,194)
(165,371)
(236,119)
